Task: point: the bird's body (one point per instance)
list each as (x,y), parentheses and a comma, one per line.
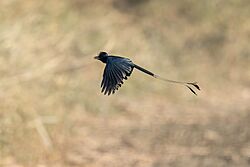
(119,68)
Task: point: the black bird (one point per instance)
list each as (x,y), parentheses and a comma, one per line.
(119,68)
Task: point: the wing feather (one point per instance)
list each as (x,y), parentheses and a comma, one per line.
(117,69)
(113,80)
(104,80)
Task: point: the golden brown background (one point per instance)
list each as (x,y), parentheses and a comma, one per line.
(52,113)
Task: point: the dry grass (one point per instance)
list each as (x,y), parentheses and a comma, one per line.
(52,112)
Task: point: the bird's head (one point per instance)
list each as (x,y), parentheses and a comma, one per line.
(102,56)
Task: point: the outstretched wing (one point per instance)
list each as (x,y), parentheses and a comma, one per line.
(117,69)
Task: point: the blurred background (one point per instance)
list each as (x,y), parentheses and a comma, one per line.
(53,114)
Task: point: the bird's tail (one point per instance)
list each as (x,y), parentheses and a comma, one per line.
(187,84)
(144,70)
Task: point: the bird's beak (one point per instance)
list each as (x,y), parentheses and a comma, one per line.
(96,57)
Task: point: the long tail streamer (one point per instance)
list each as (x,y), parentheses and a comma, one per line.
(187,84)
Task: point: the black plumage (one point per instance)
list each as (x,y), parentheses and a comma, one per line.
(119,68)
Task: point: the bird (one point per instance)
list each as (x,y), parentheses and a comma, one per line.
(118,69)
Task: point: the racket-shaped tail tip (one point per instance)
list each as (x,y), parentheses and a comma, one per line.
(191,90)
(195,84)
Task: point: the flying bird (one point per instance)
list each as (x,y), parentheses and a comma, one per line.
(119,68)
